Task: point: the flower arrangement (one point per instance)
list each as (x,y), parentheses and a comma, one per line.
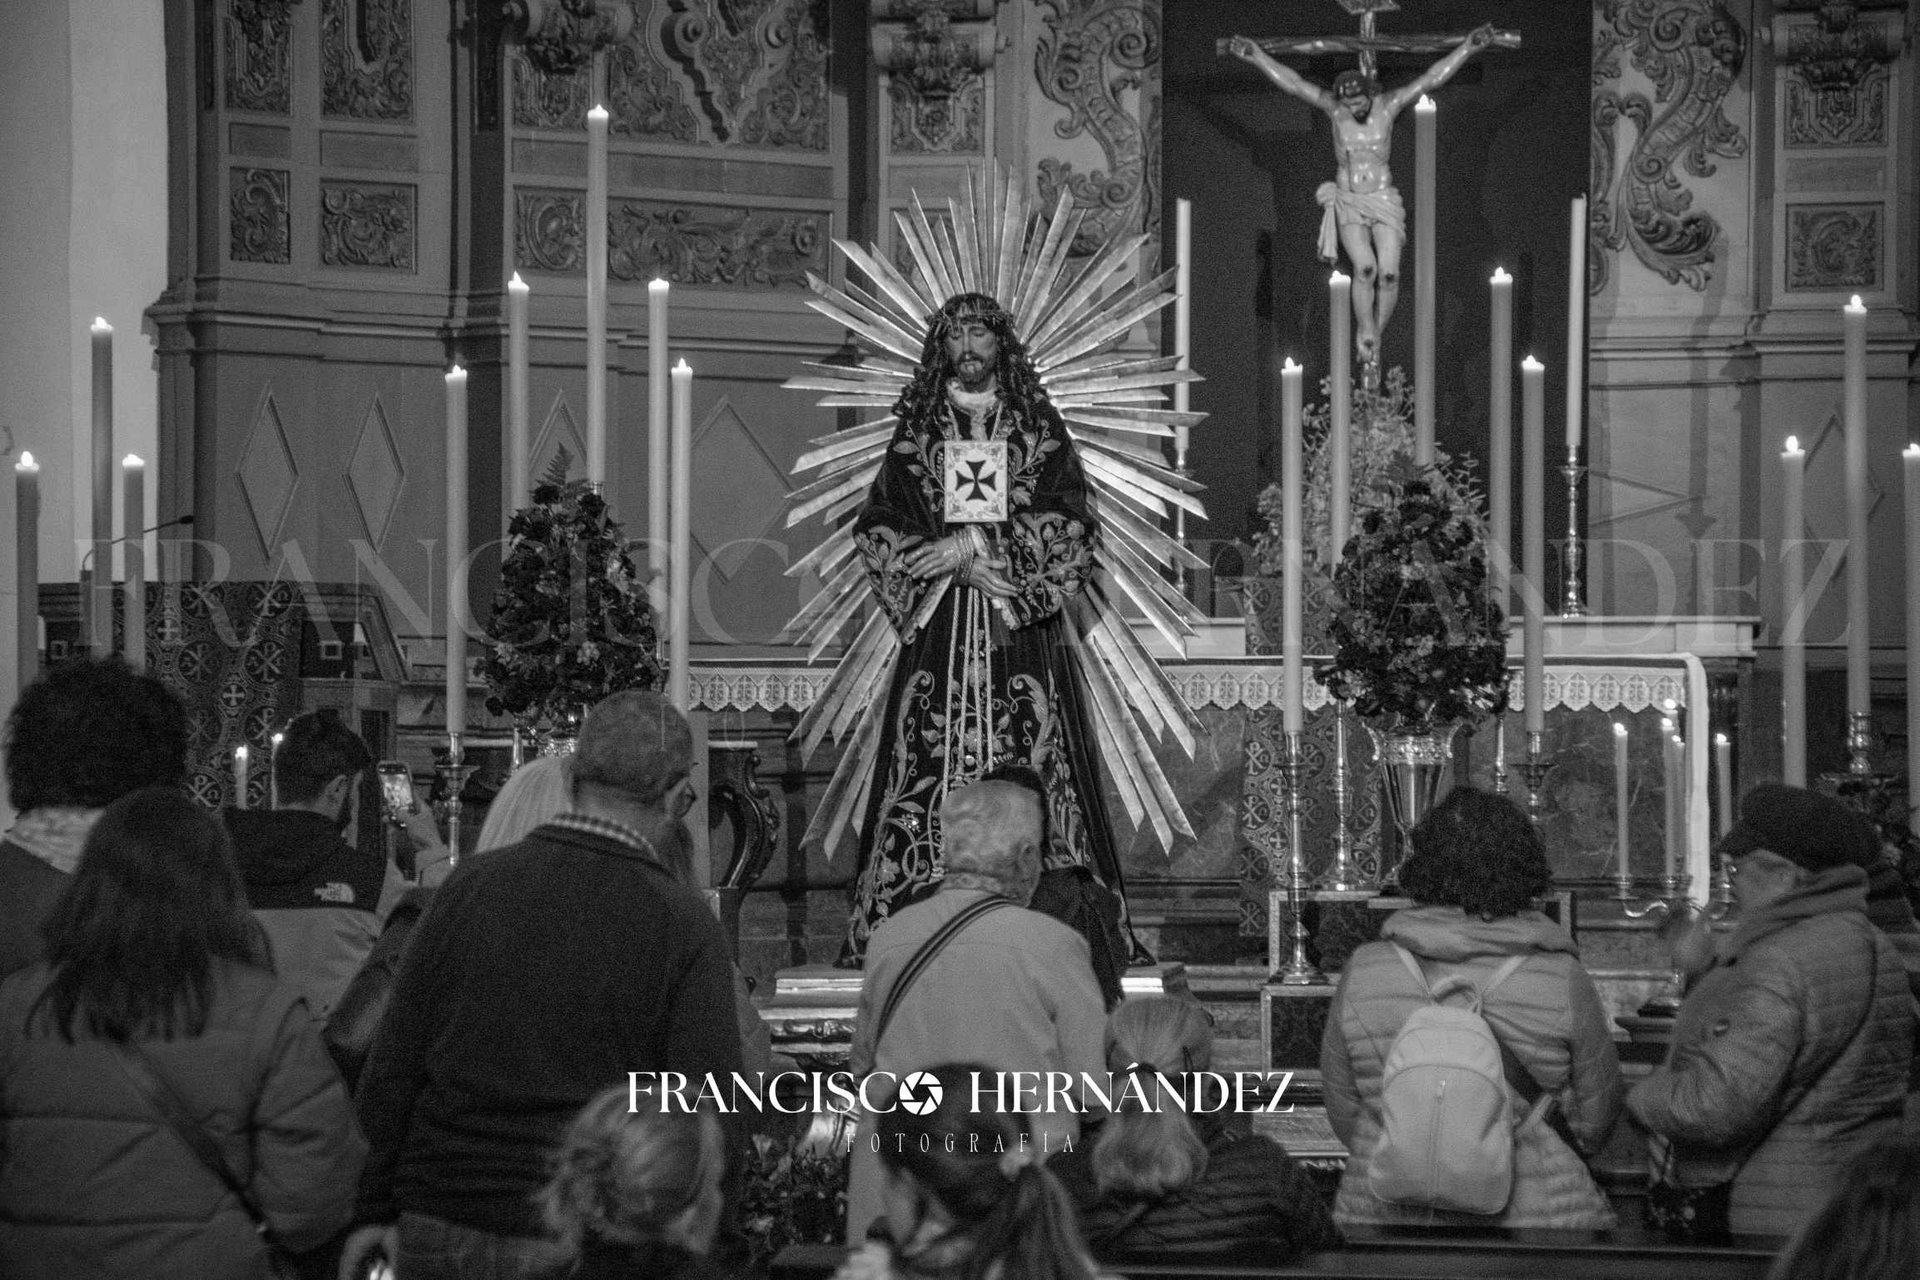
(1417,640)
(790,1195)
(570,620)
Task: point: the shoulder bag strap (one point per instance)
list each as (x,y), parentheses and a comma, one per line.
(924,957)
(160,1096)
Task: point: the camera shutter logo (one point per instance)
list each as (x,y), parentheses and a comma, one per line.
(919,1093)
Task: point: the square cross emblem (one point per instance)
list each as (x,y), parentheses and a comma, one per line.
(975,474)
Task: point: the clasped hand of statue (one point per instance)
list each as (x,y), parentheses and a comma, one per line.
(952,554)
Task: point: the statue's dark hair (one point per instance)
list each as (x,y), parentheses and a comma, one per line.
(1476,851)
(1019,383)
(1369,84)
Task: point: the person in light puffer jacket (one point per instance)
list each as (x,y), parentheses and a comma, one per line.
(1477,867)
(1790,1055)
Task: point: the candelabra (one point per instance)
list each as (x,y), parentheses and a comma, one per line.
(1500,784)
(454,771)
(1343,875)
(1299,971)
(1574,605)
(1859,744)
(1534,771)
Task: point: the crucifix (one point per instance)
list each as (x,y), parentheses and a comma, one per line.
(1364,214)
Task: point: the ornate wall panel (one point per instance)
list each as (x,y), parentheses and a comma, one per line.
(1849,114)
(549,231)
(1834,246)
(366,59)
(367,225)
(1692,52)
(259,227)
(684,243)
(259,55)
(937,124)
(547,99)
(645,97)
(1100,59)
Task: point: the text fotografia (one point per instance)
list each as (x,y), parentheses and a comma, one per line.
(1003,1092)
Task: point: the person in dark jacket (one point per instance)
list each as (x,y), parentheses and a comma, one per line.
(635,1193)
(542,973)
(1169,1181)
(152,958)
(81,736)
(319,898)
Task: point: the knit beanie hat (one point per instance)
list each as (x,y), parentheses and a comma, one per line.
(1807,828)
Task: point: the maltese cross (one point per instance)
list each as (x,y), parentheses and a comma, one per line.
(983,481)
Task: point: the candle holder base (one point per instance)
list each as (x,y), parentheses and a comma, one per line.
(1574,603)
(1535,771)
(454,772)
(1299,971)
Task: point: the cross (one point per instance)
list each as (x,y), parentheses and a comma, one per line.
(1368,44)
(981,479)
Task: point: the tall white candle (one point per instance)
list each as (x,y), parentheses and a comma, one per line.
(519,397)
(1425,265)
(1500,438)
(1859,652)
(1533,538)
(133,482)
(1577,325)
(456,553)
(240,776)
(1182,312)
(679,669)
(1622,800)
(1793,639)
(273,769)
(98,601)
(659,445)
(1723,792)
(1340,448)
(596,214)
(1910,463)
(1292,489)
(1677,786)
(26,561)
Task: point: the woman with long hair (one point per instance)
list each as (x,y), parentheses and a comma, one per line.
(1474,934)
(635,1193)
(156,1008)
(538,790)
(1160,1178)
(966,1196)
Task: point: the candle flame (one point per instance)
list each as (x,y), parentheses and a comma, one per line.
(1339,278)
(1911,451)
(277,738)
(1856,304)
(456,372)
(100,325)
(1720,740)
(598,115)
(516,282)
(681,366)
(240,752)
(1619,730)
(1425,104)
(132,460)
(26,462)
(659,284)
(1530,364)
(1666,725)
(1290,366)
(1500,276)
(1793,444)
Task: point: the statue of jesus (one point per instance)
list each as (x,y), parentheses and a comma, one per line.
(1364,214)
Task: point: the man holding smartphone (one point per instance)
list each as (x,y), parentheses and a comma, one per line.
(320,899)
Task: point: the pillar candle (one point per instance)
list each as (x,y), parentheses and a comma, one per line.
(1676,798)
(1293,490)
(98,601)
(659,433)
(1340,448)
(240,776)
(1182,314)
(1533,538)
(1576,325)
(1859,654)
(1500,439)
(26,562)
(133,481)
(1425,265)
(273,769)
(1622,801)
(1793,641)
(1910,462)
(596,214)
(519,398)
(456,552)
(1723,792)
(679,671)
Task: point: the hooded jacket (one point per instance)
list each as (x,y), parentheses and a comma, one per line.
(1789,1057)
(317,897)
(1548,1013)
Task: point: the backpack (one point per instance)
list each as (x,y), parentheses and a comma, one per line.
(1446,1113)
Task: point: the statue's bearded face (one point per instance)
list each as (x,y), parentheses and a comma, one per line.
(973,349)
(1356,101)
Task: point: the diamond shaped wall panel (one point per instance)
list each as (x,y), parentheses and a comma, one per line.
(556,433)
(267,473)
(740,492)
(375,473)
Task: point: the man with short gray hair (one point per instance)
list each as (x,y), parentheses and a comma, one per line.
(1007,987)
(543,973)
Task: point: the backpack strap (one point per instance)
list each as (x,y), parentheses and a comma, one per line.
(924,957)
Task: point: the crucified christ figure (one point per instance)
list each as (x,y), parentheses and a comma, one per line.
(1364,213)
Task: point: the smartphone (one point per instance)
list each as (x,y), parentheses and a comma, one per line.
(396,791)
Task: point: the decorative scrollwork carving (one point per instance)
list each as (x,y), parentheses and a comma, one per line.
(790,110)
(1692,50)
(930,52)
(547,99)
(259,46)
(259,228)
(561,36)
(1853,114)
(549,230)
(937,124)
(1083,39)
(363,225)
(366,59)
(735,792)
(745,248)
(1833,246)
(645,99)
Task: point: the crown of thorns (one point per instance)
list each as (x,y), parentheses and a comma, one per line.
(990,311)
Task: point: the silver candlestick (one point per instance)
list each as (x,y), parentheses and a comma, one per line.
(453,772)
(1343,874)
(1299,970)
(1534,772)
(1574,604)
